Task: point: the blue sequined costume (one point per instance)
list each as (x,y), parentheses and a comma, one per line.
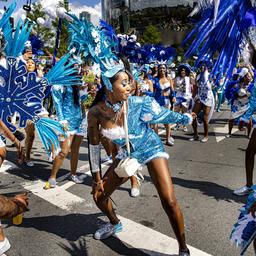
(161,99)
(145,143)
(66,109)
(244,230)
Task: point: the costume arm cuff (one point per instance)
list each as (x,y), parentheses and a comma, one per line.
(94,153)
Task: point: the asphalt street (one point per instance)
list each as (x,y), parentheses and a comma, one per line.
(62,221)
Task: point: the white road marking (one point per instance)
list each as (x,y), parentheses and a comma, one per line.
(150,241)
(222,130)
(57,196)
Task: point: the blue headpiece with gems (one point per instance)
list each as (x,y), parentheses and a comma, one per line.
(92,42)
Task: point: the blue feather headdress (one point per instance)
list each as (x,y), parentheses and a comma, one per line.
(221,30)
(92,42)
(158,54)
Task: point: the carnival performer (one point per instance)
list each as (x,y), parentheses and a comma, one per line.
(241,92)
(244,230)
(107,112)
(145,84)
(147,150)
(68,111)
(204,100)
(183,91)
(30,127)
(219,92)
(248,117)
(163,92)
(9,208)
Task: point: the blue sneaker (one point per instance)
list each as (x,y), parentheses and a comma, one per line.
(107,230)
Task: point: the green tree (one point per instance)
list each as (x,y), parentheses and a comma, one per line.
(150,36)
(48,35)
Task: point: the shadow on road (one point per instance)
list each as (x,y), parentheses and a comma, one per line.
(75,228)
(210,189)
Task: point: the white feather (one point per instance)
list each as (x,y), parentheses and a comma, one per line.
(114,133)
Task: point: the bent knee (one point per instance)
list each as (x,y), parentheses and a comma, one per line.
(169,204)
(63,155)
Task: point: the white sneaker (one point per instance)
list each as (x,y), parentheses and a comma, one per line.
(170,141)
(204,140)
(242,191)
(108,230)
(228,135)
(135,192)
(193,138)
(77,179)
(185,129)
(51,183)
(4,246)
(30,163)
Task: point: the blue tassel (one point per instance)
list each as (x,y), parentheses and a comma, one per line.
(47,129)
(63,73)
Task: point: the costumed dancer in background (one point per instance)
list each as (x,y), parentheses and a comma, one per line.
(67,103)
(18,95)
(248,117)
(241,92)
(147,148)
(222,25)
(183,91)
(219,91)
(163,92)
(204,100)
(30,127)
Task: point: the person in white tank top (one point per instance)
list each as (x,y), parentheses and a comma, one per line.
(183,90)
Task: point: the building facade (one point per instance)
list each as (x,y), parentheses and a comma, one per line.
(169,16)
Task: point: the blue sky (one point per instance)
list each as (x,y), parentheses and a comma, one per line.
(22,2)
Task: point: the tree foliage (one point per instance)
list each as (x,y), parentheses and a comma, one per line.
(150,36)
(48,35)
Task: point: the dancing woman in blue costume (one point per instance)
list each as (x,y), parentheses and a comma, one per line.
(68,107)
(163,90)
(107,117)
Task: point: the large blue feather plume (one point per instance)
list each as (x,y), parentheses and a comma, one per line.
(64,72)
(220,36)
(47,129)
(15,41)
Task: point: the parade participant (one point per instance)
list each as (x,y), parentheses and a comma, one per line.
(204,100)
(7,134)
(107,113)
(183,91)
(145,85)
(17,95)
(163,90)
(30,127)
(68,111)
(9,208)
(248,117)
(241,92)
(218,91)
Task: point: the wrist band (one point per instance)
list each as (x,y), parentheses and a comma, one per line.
(94,158)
